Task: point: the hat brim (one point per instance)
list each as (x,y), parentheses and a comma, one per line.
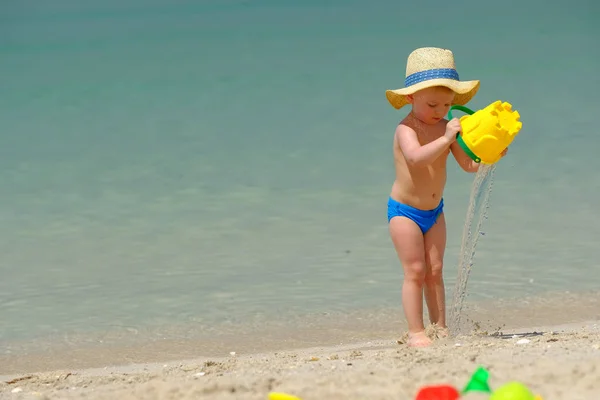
(464,91)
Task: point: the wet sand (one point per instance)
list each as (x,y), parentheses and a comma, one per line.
(558,359)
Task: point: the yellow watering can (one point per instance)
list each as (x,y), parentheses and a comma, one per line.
(487,132)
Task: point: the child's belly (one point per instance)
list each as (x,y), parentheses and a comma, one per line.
(422,190)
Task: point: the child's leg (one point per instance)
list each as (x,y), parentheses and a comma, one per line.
(410,246)
(435,245)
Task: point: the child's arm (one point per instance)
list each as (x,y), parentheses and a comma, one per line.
(414,153)
(462,159)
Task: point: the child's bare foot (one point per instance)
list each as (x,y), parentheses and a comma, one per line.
(443,332)
(435,331)
(418,339)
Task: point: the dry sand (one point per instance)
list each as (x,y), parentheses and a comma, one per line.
(560,362)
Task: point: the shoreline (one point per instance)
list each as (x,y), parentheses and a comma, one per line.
(557,361)
(309,331)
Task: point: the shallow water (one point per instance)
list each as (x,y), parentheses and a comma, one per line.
(473,229)
(167,163)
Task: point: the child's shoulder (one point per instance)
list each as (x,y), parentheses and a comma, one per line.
(404,127)
(406,123)
(411,125)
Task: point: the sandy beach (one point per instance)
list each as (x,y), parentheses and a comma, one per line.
(560,361)
(194,199)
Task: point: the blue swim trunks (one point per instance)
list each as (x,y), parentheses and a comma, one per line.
(424,218)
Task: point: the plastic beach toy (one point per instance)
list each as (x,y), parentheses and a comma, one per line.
(513,391)
(439,392)
(478,382)
(477,386)
(282,396)
(487,132)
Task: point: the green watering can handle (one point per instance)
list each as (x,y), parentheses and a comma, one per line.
(462,144)
(460,108)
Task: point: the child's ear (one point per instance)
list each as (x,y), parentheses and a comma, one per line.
(410,98)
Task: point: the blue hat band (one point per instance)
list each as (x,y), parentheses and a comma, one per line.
(440,73)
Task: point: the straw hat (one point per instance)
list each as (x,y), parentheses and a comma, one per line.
(432,66)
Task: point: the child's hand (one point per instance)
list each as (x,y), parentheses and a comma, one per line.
(452,128)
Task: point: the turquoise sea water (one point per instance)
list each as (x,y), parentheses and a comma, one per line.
(195,162)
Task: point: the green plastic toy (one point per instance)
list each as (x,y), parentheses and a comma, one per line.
(478,382)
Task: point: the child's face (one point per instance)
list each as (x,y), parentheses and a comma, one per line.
(432,104)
